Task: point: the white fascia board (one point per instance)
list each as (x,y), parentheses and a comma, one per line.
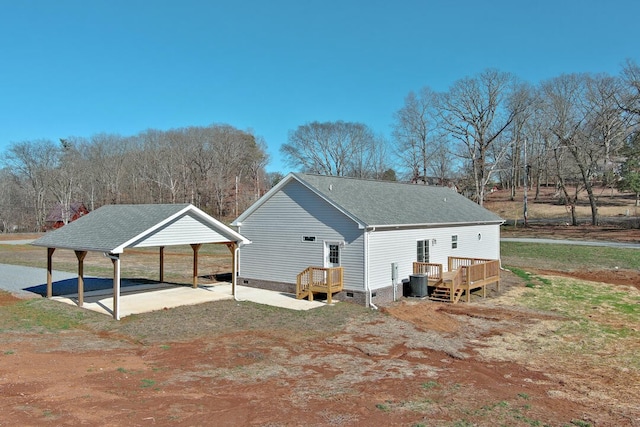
(434,225)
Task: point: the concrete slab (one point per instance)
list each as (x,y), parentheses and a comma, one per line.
(273,298)
(153,297)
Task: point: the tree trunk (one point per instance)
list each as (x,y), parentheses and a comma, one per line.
(594,206)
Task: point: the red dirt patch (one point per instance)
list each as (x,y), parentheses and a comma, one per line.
(615,277)
(7,299)
(424,316)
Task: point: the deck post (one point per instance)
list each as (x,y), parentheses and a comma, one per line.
(50,272)
(329,283)
(196,247)
(80,255)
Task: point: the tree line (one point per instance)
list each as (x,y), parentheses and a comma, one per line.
(218,168)
(574,131)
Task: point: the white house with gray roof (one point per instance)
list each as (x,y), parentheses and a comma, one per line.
(367,227)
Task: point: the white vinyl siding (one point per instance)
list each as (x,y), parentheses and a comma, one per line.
(388,246)
(278,251)
(183,230)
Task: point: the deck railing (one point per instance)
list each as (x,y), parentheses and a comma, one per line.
(320,280)
(432,270)
(477,272)
(462,273)
(456,262)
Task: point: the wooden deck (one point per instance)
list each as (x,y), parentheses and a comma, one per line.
(463,275)
(322,280)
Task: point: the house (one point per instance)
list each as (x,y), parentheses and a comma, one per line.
(374,230)
(59,216)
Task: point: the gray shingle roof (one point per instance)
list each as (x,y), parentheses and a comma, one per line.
(385,203)
(110,226)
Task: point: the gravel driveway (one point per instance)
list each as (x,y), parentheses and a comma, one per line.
(31,281)
(25,281)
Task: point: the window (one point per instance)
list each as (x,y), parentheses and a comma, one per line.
(454,242)
(423,251)
(334,254)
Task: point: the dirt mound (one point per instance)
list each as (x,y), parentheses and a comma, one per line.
(424,315)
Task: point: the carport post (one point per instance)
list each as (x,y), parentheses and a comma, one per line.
(161,264)
(50,272)
(115,259)
(196,248)
(232,248)
(80,255)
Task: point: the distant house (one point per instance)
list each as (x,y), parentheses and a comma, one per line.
(59,214)
(370,228)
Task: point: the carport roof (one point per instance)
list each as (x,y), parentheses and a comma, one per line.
(112,228)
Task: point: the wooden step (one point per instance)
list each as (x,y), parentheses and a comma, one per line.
(443,294)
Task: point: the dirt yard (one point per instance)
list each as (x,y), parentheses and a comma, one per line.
(414,363)
(227,363)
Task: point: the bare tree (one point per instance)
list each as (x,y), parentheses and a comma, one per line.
(573,119)
(65,178)
(629,97)
(12,202)
(332,148)
(105,161)
(33,161)
(607,126)
(476,112)
(415,133)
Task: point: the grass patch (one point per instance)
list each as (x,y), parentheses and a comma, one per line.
(599,316)
(39,315)
(568,256)
(229,316)
(383,407)
(578,299)
(430,384)
(580,423)
(530,280)
(146,383)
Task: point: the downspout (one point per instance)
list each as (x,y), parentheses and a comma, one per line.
(366,267)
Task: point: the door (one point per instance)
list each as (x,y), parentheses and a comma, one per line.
(331,254)
(423,250)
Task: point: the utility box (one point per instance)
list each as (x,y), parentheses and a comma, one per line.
(394,273)
(418,285)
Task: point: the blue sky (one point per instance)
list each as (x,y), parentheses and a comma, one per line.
(77,67)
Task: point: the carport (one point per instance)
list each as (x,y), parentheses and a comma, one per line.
(113,228)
